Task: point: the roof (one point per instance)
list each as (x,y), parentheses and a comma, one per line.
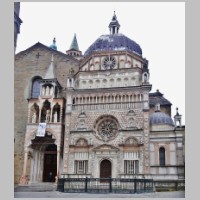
(160,118)
(74,44)
(115,42)
(50,74)
(157,97)
(40,45)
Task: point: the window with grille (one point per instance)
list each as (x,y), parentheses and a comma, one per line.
(81,166)
(131,166)
(162,156)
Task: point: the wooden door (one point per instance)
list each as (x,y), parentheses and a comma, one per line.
(105,169)
(50,166)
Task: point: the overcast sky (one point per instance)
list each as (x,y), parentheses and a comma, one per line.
(159,28)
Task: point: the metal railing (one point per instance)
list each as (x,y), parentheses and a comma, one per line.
(104,185)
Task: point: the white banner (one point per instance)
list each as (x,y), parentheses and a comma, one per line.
(41,130)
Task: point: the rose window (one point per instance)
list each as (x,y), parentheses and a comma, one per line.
(107,129)
(109,62)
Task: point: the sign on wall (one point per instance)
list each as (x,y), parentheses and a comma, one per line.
(41,130)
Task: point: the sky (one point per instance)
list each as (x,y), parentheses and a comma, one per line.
(158,27)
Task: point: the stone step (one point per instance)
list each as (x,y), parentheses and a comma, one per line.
(36,187)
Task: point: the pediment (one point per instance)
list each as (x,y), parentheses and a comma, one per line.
(39,46)
(106,147)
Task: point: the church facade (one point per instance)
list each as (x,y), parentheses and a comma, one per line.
(93,115)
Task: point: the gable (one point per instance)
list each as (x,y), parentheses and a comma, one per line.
(41,47)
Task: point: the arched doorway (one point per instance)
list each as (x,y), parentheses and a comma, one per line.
(50,163)
(105,169)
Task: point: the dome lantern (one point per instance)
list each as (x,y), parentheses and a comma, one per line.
(114,25)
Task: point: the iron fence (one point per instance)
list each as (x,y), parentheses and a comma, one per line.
(104,185)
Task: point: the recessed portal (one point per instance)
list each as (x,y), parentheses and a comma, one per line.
(105,169)
(50,163)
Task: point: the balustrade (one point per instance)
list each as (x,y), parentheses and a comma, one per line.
(108,106)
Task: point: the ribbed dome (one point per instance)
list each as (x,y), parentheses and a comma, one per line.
(116,42)
(161,118)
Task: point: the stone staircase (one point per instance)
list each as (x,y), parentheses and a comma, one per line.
(36,187)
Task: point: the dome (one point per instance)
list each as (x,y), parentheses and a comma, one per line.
(53,46)
(160,118)
(114,42)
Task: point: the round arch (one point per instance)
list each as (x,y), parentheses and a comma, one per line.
(34,86)
(105,168)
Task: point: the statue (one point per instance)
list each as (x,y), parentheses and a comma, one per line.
(51,91)
(43,91)
(34,118)
(71,71)
(47,90)
(48,116)
(131,122)
(55,117)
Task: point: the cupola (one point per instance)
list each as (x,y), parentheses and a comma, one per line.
(53,46)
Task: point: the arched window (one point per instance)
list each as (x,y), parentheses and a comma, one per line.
(162,156)
(35,92)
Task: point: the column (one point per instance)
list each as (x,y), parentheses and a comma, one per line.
(118,62)
(72,84)
(25,162)
(61,113)
(126,58)
(68,85)
(100,63)
(29,111)
(24,178)
(58,162)
(51,114)
(40,115)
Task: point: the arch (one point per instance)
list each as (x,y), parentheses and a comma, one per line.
(96,65)
(56,113)
(131,122)
(32,136)
(50,163)
(118,82)
(81,123)
(81,142)
(90,82)
(83,83)
(105,168)
(121,64)
(104,81)
(35,88)
(97,82)
(162,156)
(145,77)
(34,113)
(45,112)
(131,141)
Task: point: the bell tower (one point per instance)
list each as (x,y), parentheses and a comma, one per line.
(74,49)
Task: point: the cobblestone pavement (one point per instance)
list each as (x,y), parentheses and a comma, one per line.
(56,194)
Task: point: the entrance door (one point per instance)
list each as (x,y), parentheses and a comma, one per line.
(50,164)
(105,169)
